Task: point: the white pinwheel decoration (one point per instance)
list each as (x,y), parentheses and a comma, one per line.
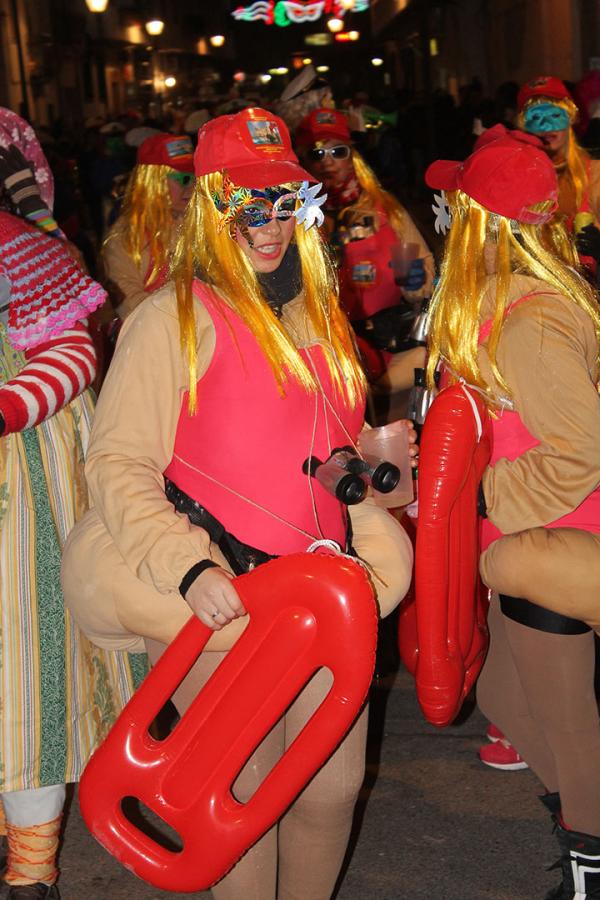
(443,216)
(310,212)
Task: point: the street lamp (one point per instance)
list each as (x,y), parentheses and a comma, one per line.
(335,24)
(99,6)
(170,81)
(217,40)
(155,27)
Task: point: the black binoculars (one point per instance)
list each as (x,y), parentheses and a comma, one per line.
(347,475)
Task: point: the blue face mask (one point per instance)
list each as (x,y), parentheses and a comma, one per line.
(544,117)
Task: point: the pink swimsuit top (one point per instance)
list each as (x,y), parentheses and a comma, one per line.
(510,439)
(241,455)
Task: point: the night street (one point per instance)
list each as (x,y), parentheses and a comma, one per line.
(299,339)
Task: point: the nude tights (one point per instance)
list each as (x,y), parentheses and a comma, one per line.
(538,688)
(300,858)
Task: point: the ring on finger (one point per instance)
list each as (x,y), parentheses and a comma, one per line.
(215,614)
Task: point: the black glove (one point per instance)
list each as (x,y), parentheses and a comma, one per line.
(19,181)
(587,242)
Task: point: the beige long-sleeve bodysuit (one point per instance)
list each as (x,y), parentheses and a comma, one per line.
(128,283)
(126,559)
(538,686)
(547,354)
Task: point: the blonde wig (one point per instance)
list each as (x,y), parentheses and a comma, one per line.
(456,303)
(206,250)
(577,159)
(376,194)
(146,216)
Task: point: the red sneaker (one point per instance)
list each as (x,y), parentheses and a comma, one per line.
(502,755)
(493,733)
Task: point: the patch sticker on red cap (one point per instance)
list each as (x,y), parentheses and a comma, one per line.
(264,133)
(179,147)
(325,118)
(364,272)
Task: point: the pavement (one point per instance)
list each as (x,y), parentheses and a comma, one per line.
(432,822)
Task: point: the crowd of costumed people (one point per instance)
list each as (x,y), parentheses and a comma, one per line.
(263,285)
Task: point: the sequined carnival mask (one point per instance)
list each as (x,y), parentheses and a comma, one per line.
(245,208)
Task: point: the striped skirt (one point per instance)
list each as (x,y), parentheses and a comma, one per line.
(59,694)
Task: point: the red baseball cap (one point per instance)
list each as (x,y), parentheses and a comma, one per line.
(253,147)
(506,175)
(542,86)
(322,125)
(501,131)
(171,150)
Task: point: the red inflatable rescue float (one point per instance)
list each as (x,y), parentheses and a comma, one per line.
(307,611)
(443,634)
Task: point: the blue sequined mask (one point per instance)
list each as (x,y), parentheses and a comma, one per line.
(270,203)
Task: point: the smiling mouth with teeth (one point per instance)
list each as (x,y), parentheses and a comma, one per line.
(268,249)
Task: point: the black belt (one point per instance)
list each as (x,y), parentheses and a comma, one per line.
(534,616)
(241,557)
(390,328)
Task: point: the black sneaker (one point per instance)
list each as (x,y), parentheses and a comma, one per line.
(37,891)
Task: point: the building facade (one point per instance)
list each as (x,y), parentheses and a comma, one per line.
(60,61)
(443,44)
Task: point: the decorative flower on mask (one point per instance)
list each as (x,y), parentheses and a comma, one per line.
(310,213)
(443,216)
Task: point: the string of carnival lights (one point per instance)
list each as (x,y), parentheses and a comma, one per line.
(295,12)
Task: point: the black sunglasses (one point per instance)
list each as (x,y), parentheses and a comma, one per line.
(340,151)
